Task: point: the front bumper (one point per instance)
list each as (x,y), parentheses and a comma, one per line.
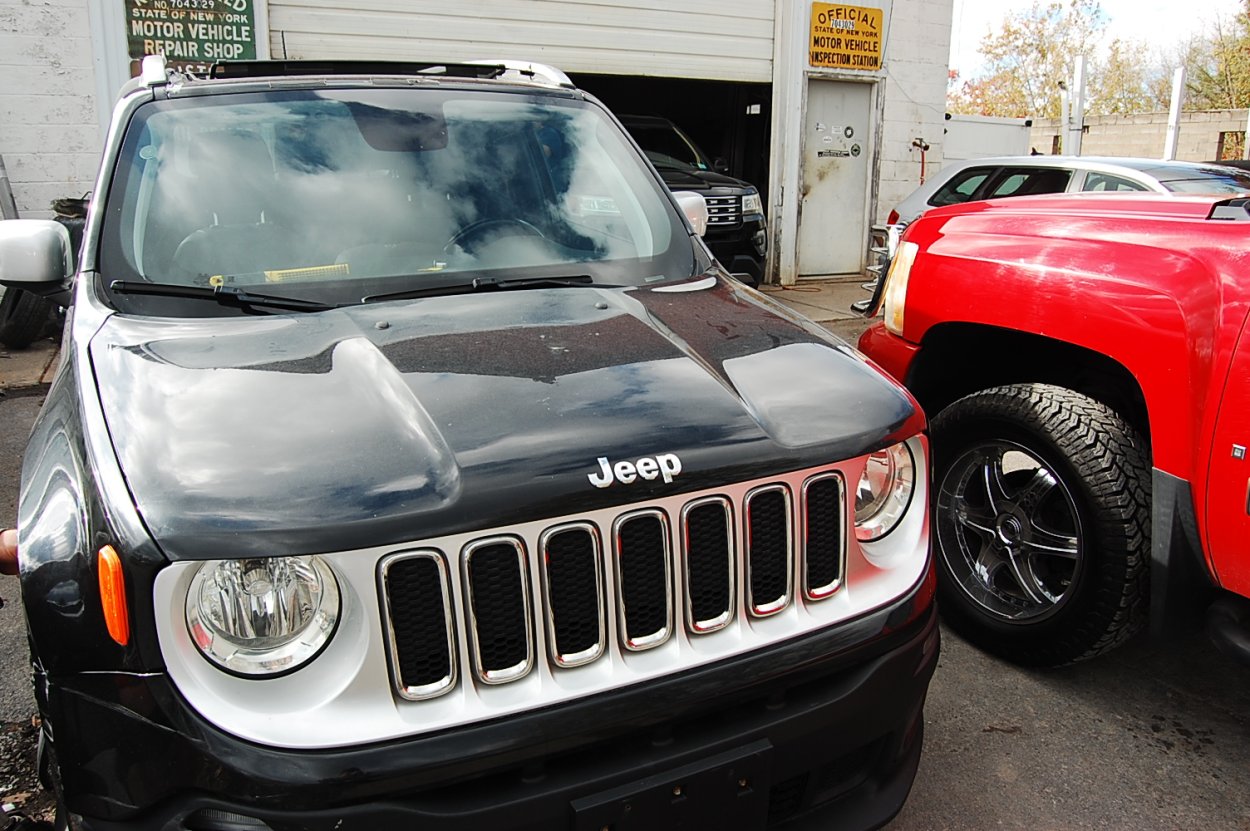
(826,726)
(736,249)
(888,351)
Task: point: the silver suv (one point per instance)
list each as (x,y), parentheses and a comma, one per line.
(996,178)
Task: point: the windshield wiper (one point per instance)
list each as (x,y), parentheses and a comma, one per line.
(488,284)
(225,295)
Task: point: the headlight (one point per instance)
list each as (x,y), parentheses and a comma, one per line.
(884,492)
(896,285)
(263,616)
(752,204)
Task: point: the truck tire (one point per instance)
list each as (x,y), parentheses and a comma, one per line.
(23,317)
(1041,523)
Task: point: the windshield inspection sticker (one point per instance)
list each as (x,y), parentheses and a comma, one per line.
(666,466)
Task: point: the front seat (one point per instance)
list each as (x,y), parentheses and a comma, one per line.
(235,186)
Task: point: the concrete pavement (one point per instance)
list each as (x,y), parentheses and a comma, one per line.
(828,302)
(29,368)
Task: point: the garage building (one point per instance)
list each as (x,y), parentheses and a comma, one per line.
(831,109)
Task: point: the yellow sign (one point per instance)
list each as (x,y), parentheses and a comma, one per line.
(845,37)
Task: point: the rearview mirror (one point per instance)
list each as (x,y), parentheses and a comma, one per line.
(694,206)
(34,255)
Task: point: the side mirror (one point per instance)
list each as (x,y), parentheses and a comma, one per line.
(35,255)
(694,206)
(720,165)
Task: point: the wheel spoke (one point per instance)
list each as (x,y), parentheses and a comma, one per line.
(1022,571)
(973,516)
(992,477)
(1050,543)
(988,564)
(1034,491)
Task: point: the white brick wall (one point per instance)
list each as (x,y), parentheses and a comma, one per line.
(915,96)
(49,129)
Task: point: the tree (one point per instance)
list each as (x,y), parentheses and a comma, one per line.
(1218,69)
(1026,60)
(1127,81)
(1036,49)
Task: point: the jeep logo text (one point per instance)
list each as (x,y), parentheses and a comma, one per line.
(666,465)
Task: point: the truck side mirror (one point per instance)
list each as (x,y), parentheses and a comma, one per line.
(720,165)
(35,255)
(694,206)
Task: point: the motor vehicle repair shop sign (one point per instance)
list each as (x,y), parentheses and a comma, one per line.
(846,37)
(191,34)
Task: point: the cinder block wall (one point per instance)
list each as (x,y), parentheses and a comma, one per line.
(49,130)
(1144,135)
(915,95)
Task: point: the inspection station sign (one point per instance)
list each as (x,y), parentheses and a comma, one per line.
(191,34)
(846,37)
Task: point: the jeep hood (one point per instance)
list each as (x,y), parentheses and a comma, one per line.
(381,424)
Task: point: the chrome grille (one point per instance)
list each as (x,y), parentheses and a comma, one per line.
(643,579)
(418,606)
(768,552)
(724,210)
(498,609)
(707,536)
(694,553)
(825,535)
(573,581)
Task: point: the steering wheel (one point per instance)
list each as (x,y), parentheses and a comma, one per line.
(482,226)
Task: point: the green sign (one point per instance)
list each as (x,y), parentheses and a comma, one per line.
(191,34)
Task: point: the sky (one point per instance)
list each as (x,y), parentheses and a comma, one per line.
(1157,23)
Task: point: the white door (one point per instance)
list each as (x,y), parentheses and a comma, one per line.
(837,161)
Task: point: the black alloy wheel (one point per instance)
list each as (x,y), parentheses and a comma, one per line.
(1041,523)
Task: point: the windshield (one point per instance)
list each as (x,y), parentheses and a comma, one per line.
(667,146)
(1210,182)
(339,195)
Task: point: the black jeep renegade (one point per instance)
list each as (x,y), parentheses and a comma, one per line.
(411,464)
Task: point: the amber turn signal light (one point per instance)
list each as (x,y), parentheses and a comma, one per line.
(113,595)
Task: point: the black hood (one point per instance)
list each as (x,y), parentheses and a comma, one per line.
(690,178)
(383,424)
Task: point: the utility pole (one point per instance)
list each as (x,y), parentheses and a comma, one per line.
(1174,114)
(1075,124)
(1065,113)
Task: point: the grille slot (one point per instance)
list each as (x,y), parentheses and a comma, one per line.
(768,544)
(824,536)
(573,581)
(499,609)
(707,527)
(644,590)
(418,606)
(724,210)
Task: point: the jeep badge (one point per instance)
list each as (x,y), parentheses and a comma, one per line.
(666,465)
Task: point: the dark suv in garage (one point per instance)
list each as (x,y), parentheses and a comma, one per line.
(737,232)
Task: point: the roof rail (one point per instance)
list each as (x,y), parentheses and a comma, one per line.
(154,72)
(470,69)
(530,71)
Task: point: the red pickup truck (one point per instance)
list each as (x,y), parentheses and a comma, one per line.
(1086,366)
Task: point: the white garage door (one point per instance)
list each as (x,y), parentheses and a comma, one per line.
(728,40)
